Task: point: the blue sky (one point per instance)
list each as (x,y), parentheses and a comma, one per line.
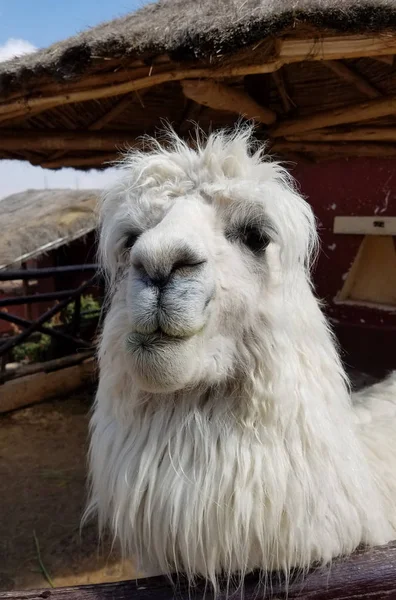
(29,24)
(43,22)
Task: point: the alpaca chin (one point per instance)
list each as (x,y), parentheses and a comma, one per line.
(160,363)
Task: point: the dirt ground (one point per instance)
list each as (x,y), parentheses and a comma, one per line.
(42,494)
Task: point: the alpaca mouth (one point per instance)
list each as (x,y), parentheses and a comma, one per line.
(150,341)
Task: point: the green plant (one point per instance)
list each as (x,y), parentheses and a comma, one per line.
(88,304)
(32,351)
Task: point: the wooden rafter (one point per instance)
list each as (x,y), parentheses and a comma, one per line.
(387,60)
(353,77)
(222,97)
(288,51)
(65,139)
(353,113)
(117,109)
(279,81)
(97,160)
(357,134)
(336,150)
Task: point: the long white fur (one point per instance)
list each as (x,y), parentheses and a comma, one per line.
(252,455)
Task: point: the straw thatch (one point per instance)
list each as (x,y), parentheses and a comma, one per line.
(79,101)
(36,221)
(187,29)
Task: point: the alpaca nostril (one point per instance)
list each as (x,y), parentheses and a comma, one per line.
(187,264)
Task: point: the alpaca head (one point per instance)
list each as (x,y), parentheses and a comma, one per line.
(202,247)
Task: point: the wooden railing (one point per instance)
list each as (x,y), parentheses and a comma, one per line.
(366,575)
(73,335)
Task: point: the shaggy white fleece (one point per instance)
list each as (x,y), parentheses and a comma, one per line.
(224,437)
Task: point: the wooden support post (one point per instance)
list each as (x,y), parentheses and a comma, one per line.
(77,316)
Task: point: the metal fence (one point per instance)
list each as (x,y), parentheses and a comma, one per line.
(71,334)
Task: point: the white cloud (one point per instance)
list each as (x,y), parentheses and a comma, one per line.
(14,47)
(17,176)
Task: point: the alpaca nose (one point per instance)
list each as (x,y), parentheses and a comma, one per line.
(157,265)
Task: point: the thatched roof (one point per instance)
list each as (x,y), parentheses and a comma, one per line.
(37,221)
(190,29)
(87,96)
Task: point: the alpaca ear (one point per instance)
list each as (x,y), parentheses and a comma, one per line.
(303,224)
(295,224)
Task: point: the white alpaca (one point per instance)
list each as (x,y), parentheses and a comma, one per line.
(223,435)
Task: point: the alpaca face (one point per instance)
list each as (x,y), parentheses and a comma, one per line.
(195,254)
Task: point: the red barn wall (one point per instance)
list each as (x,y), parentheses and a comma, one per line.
(353,187)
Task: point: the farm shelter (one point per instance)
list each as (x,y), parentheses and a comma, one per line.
(42,229)
(49,297)
(318,77)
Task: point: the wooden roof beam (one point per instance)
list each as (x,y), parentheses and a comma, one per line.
(336,149)
(81,162)
(222,97)
(288,51)
(353,113)
(351,76)
(38,140)
(117,109)
(357,134)
(286,100)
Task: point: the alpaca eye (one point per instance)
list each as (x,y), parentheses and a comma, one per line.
(130,240)
(254,239)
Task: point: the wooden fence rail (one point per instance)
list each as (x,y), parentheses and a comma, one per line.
(73,294)
(35,298)
(24,274)
(369,575)
(70,333)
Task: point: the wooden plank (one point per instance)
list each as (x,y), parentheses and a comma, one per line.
(47,366)
(336,150)
(354,134)
(353,113)
(375,225)
(98,160)
(369,575)
(10,274)
(12,139)
(38,387)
